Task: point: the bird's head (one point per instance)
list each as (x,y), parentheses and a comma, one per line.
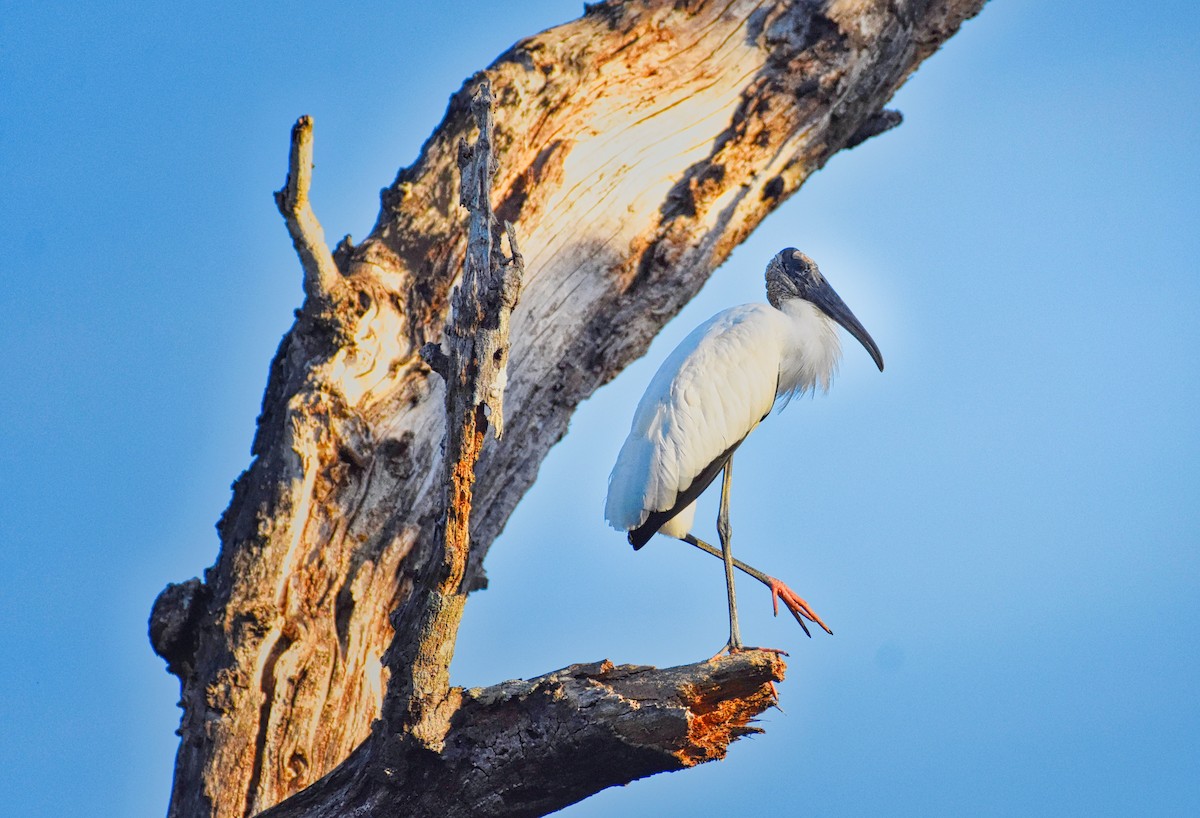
(791,274)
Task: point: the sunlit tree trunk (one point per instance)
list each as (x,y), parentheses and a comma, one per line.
(633,149)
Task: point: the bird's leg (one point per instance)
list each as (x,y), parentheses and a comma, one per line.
(725,532)
(793,601)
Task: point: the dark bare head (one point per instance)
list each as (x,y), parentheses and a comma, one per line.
(791,274)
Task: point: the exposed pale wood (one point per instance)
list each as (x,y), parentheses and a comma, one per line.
(635,148)
(419,703)
(321,276)
(525,748)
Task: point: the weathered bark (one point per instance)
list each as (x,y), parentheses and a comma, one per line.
(635,148)
(419,704)
(526,748)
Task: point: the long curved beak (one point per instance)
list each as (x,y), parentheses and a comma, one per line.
(832,305)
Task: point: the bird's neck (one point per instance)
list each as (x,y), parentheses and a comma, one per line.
(812,356)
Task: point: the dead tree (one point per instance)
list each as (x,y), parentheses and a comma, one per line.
(632,150)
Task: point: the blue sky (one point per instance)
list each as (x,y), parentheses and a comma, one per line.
(1001,529)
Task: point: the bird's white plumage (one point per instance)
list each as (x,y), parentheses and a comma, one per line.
(709,393)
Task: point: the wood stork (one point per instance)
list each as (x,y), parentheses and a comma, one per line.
(711,392)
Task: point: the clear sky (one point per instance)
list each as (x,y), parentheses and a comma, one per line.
(1001,529)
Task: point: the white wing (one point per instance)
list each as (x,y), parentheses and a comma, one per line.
(707,395)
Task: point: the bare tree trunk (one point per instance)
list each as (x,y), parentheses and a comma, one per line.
(634,148)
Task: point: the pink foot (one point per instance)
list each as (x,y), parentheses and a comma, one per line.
(742,649)
(729,649)
(795,604)
(732,650)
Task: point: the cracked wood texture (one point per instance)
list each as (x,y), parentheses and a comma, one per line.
(527,748)
(419,703)
(635,147)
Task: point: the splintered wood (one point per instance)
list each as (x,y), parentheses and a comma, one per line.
(633,148)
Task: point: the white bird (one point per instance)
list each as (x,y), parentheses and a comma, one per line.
(711,392)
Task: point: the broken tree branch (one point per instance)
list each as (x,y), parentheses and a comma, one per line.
(477,336)
(881,122)
(634,148)
(527,748)
(321,275)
